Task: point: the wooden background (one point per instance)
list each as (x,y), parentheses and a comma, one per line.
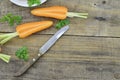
(99,35)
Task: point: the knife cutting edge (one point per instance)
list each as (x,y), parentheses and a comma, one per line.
(42,50)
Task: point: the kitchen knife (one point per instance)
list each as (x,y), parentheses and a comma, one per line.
(42,50)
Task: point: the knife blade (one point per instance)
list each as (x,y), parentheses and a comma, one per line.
(42,50)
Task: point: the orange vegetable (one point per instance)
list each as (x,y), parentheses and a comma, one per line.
(25,30)
(58,12)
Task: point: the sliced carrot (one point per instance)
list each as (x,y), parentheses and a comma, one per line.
(30,25)
(35,27)
(54,9)
(25,30)
(58,12)
(53,15)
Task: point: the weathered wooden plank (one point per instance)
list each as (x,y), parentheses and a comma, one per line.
(63,61)
(69,43)
(103,18)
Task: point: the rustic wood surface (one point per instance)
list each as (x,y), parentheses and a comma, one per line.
(97,36)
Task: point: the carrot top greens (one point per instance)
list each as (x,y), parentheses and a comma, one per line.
(5,57)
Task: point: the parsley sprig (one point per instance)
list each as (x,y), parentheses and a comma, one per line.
(62,23)
(33,2)
(11,19)
(22,53)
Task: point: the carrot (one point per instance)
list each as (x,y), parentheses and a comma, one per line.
(56,9)
(30,25)
(25,30)
(58,12)
(52,15)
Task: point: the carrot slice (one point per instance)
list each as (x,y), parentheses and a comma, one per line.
(30,25)
(54,9)
(24,32)
(52,15)
(58,12)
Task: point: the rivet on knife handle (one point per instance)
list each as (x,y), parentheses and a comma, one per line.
(27,66)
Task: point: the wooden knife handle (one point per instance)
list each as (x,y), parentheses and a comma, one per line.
(27,66)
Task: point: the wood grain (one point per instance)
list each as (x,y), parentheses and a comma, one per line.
(63,60)
(96,37)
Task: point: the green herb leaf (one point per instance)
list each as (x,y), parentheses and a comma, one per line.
(11,19)
(33,2)
(22,53)
(62,23)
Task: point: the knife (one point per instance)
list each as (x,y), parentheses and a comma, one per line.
(42,50)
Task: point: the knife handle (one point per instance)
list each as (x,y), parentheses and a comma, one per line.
(27,66)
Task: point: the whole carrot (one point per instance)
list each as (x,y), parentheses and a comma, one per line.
(58,12)
(25,30)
